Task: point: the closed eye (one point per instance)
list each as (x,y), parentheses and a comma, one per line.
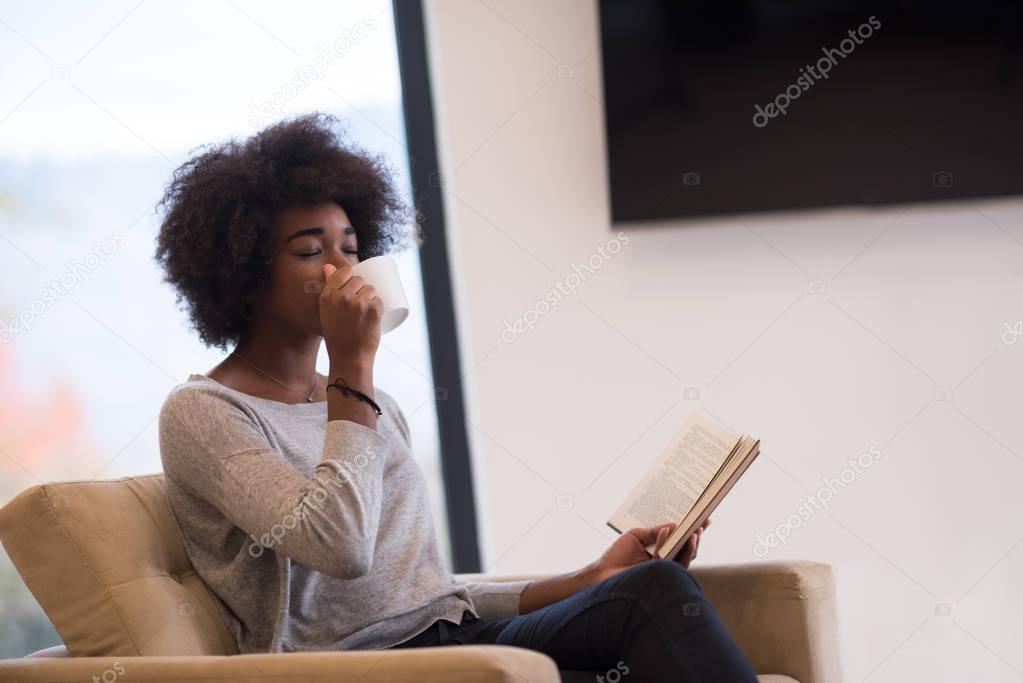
(317,253)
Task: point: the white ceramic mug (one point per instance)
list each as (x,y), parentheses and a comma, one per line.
(382,273)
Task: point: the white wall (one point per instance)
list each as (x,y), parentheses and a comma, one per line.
(925,541)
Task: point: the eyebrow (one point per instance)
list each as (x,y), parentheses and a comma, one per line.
(349,230)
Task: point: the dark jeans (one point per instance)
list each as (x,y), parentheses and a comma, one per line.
(650,622)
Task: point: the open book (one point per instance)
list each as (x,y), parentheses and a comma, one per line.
(692,475)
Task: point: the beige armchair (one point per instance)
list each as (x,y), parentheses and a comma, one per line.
(105,561)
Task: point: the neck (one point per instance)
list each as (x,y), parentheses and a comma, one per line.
(289,358)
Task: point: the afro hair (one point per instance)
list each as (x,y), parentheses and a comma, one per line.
(216,240)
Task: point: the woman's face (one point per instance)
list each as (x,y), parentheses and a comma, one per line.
(307,239)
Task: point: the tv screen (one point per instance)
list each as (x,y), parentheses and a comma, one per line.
(727,107)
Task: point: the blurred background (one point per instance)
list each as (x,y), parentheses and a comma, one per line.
(756,280)
(106,101)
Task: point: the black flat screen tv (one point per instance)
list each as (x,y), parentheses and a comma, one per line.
(727,106)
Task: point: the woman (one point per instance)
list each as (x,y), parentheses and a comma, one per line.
(300,503)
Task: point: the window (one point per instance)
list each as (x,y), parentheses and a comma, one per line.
(106,101)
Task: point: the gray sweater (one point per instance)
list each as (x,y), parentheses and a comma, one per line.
(312,535)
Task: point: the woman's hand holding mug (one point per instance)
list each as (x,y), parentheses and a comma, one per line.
(350,314)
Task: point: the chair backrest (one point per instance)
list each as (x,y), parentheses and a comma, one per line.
(106,562)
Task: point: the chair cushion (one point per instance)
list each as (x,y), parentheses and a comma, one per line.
(105,560)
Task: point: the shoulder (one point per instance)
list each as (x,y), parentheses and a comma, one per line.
(196,401)
(200,423)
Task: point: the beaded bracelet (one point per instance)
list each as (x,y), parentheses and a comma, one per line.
(349,390)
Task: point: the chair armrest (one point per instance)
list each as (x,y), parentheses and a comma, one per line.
(782,614)
(462,664)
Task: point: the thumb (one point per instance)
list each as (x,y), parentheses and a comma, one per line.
(662,536)
(328,270)
(648,535)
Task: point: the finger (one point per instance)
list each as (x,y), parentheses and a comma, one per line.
(686,556)
(648,535)
(351,287)
(367,291)
(659,536)
(374,304)
(645,535)
(328,270)
(338,275)
(662,536)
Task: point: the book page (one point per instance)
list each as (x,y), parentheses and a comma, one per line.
(744,455)
(679,476)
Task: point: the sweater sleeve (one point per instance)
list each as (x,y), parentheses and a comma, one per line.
(213,446)
(495,600)
(492,600)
